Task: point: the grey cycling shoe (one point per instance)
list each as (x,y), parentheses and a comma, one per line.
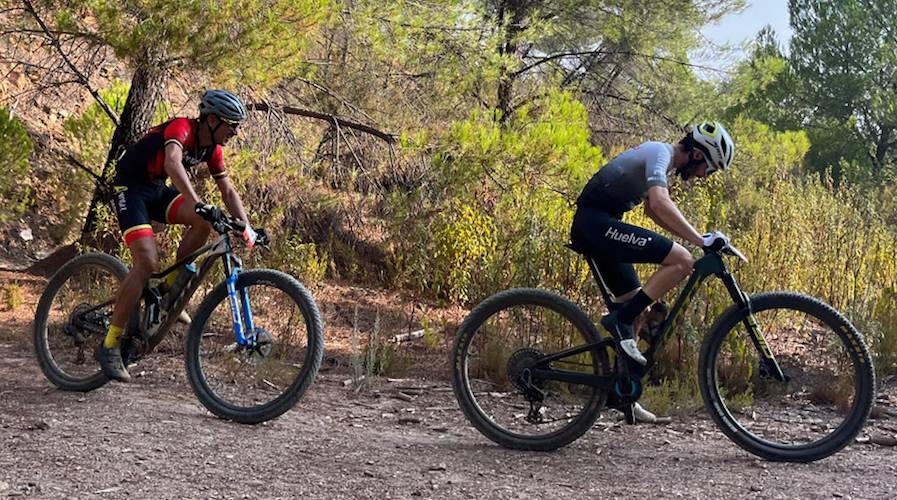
(623,333)
(111,363)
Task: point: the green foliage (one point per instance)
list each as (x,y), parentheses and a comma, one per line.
(304,260)
(464,241)
(845,55)
(377,358)
(765,87)
(15,148)
(500,204)
(432,331)
(11,294)
(444,38)
(878,324)
(91,131)
(215,36)
(676,396)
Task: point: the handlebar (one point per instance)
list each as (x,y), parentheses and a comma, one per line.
(223,223)
(729,249)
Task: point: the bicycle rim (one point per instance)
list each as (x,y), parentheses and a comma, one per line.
(498,341)
(256,383)
(828,392)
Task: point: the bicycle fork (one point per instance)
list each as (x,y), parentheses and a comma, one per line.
(241,312)
(769,366)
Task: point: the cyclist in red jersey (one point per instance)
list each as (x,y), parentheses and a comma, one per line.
(141,195)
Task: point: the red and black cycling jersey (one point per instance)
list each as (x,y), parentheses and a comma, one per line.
(144,162)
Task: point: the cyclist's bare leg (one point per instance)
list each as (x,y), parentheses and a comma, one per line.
(197,232)
(675,267)
(145,261)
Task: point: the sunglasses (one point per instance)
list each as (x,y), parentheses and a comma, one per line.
(231,125)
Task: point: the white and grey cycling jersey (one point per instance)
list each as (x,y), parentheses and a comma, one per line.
(624,181)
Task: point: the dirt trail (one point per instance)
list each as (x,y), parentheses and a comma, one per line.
(151,439)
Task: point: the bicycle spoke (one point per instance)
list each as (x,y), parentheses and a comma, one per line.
(253,375)
(496,388)
(825,394)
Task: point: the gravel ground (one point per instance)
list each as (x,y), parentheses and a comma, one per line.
(152,439)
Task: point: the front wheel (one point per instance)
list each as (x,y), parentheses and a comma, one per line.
(498,342)
(254,383)
(822,401)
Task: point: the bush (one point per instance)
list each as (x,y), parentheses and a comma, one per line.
(11,294)
(498,207)
(15,148)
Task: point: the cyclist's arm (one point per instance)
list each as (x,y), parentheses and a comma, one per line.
(667,215)
(231,198)
(178,175)
(650,213)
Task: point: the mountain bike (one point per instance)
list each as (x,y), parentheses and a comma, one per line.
(248,359)
(783,375)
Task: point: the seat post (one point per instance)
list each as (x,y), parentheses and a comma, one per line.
(605,293)
(593,267)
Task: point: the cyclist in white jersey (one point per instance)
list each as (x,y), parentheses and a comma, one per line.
(634,176)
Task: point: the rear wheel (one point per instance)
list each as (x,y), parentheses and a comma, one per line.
(72,317)
(497,344)
(829,386)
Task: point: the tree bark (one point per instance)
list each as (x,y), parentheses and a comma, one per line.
(516,11)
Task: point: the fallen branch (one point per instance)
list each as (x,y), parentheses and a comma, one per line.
(883,440)
(404,397)
(340,122)
(404,337)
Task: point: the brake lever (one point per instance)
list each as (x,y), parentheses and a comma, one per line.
(731,250)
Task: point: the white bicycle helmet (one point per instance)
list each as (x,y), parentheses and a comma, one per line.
(716,143)
(224,105)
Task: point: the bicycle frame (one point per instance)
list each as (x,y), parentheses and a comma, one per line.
(240,307)
(711,264)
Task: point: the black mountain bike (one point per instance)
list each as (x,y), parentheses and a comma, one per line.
(783,375)
(247,360)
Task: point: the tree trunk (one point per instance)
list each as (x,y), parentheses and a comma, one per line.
(136,118)
(516,11)
(882,150)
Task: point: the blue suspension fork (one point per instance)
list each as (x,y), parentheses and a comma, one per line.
(238,306)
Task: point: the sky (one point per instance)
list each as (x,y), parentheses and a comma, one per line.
(739,28)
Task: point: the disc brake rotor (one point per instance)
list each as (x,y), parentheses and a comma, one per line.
(261,348)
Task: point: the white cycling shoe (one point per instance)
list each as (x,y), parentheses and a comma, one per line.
(630,347)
